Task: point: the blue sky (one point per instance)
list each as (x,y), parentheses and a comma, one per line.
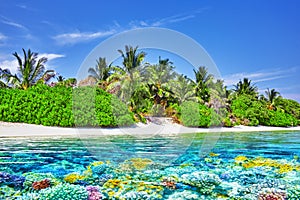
(258,39)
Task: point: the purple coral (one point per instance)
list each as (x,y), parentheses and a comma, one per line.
(94,193)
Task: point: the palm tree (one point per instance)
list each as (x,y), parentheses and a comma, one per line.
(158,78)
(30,71)
(183,89)
(60,78)
(203,80)
(101,72)
(3,74)
(245,87)
(271,96)
(132,60)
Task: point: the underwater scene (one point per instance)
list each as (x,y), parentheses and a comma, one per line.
(262,165)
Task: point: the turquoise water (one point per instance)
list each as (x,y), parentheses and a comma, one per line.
(237,166)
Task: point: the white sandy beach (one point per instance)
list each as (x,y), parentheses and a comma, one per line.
(30,130)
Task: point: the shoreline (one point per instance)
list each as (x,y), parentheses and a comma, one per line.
(143,130)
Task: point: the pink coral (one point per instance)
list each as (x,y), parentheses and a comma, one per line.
(94,193)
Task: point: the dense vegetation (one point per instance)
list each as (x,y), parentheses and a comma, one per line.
(134,91)
(38,105)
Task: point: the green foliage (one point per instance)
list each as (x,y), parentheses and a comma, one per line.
(198,115)
(64,191)
(62,106)
(289,106)
(250,111)
(247,109)
(278,118)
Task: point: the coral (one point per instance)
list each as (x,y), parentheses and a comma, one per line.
(7,192)
(136,196)
(184,195)
(140,163)
(32,177)
(204,181)
(65,192)
(169,182)
(99,169)
(93,193)
(73,177)
(11,180)
(281,166)
(294,192)
(212,154)
(38,185)
(240,159)
(272,194)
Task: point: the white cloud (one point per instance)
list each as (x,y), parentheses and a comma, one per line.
(9,22)
(50,56)
(77,37)
(167,20)
(260,76)
(12,64)
(2,37)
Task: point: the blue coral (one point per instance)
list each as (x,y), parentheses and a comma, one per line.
(11,180)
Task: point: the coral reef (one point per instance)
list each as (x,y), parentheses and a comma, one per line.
(65,192)
(204,181)
(216,176)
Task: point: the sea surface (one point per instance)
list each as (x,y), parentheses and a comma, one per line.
(186,166)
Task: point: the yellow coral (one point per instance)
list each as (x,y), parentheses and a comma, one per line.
(97,163)
(282,167)
(212,154)
(240,159)
(73,177)
(140,163)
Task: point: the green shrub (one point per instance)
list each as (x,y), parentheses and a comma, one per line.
(282,119)
(63,106)
(198,115)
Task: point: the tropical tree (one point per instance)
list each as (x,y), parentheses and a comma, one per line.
(183,89)
(30,71)
(101,72)
(60,78)
(158,78)
(132,59)
(203,80)
(271,97)
(245,87)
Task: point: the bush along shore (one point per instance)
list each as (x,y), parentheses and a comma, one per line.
(122,95)
(53,106)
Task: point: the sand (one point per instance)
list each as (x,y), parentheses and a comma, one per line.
(143,130)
